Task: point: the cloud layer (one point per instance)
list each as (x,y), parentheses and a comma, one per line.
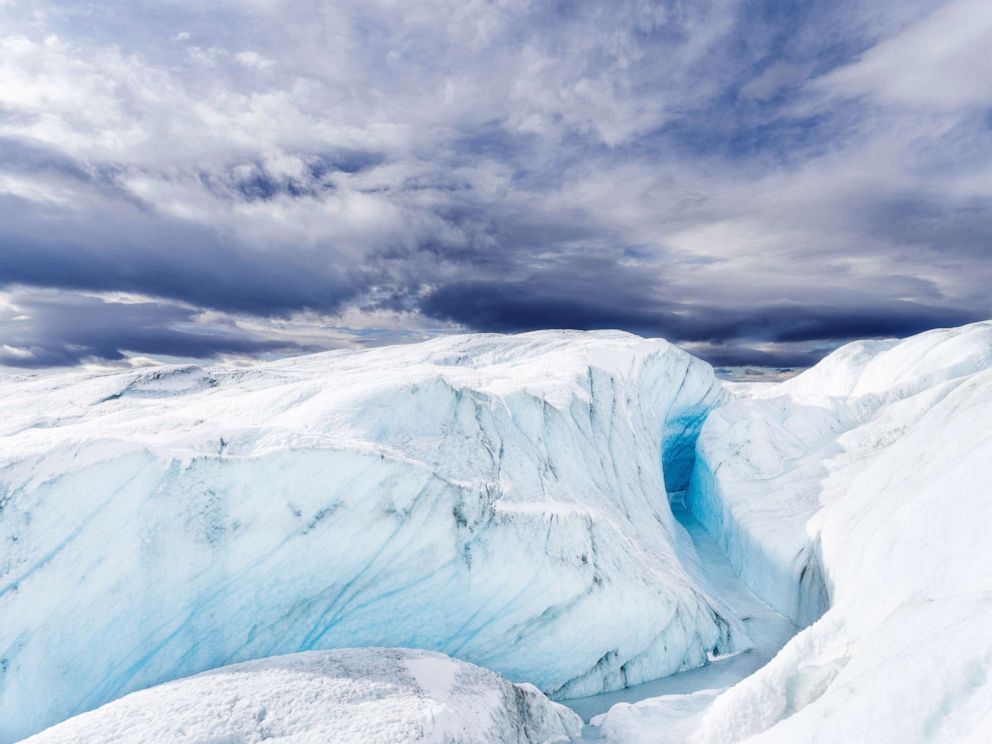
(759,181)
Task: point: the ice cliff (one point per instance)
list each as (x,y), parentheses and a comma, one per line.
(498,498)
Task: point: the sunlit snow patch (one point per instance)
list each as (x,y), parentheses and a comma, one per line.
(350,696)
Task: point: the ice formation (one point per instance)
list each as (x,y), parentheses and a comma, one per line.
(861,491)
(497,498)
(503,499)
(348,696)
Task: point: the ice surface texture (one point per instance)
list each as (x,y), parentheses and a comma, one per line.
(350,696)
(865,485)
(497,498)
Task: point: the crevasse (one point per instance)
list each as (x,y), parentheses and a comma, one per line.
(864,480)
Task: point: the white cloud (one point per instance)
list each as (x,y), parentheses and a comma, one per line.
(249,58)
(15,352)
(772,79)
(941,61)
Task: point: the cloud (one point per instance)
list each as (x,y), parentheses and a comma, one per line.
(772,80)
(940,61)
(526,306)
(248,58)
(757,181)
(44,329)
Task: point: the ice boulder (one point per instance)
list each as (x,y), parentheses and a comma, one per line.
(349,696)
(498,498)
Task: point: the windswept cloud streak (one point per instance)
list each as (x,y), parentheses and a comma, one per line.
(43,329)
(759,181)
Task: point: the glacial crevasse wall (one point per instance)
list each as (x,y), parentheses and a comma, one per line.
(861,490)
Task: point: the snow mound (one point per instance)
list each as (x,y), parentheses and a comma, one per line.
(861,489)
(498,498)
(359,696)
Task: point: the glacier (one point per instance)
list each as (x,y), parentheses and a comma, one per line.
(803,561)
(856,499)
(501,499)
(350,696)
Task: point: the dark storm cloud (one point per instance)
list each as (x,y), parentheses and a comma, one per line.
(934,222)
(133,250)
(760,180)
(730,355)
(49,330)
(527,306)
(519,306)
(871,321)
(26,157)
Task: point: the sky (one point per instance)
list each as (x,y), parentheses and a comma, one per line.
(756,181)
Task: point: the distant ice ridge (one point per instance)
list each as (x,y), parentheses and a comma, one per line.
(498,498)
(349,696)
(861,489)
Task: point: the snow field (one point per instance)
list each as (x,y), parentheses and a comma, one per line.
(350,696)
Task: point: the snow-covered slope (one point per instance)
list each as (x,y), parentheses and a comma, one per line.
(349,696)
(497,498)
(863,485)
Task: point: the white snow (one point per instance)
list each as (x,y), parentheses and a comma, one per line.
(503,499)
(349,696)
(498,498)
(863,489)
